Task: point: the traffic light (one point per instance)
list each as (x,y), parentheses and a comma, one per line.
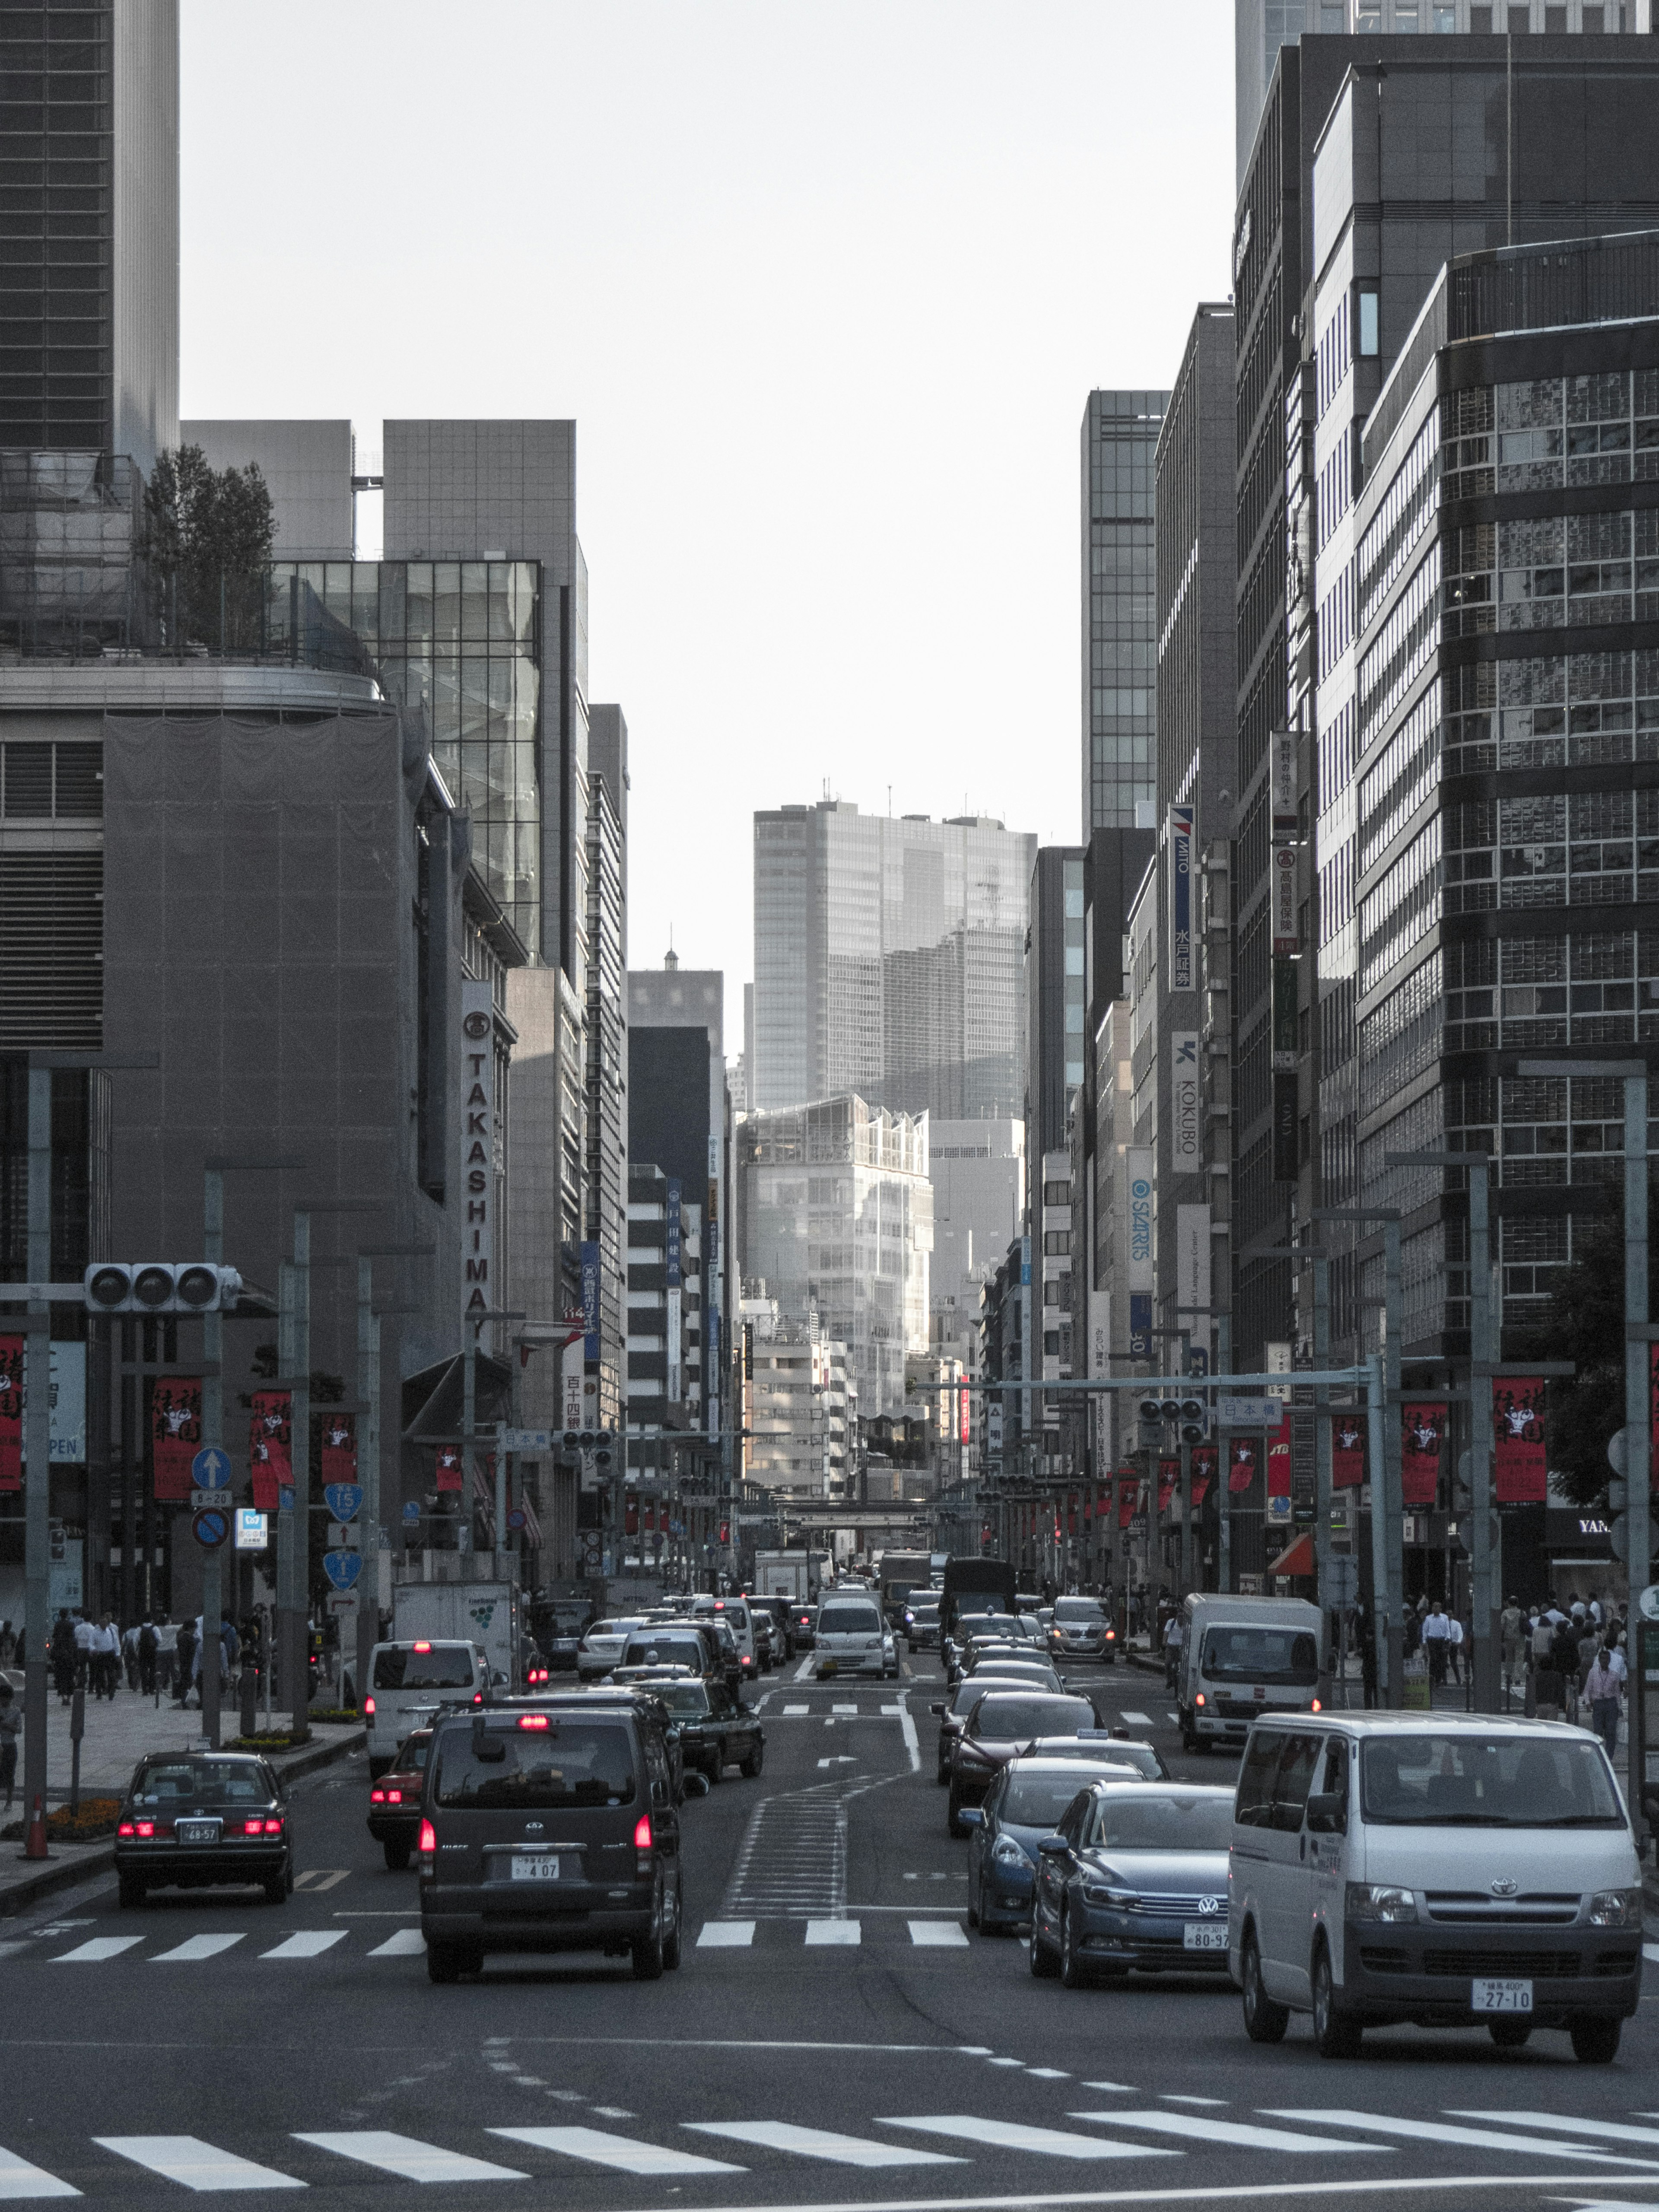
(159,1286)
(1195,1420)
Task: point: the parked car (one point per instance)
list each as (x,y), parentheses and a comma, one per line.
(202,1820)
(1026,1801)
(603,1644)
(1080,1630)
(999,1725)
(1134,1877)
(1453,1870)
(394,1801)
(551,1829)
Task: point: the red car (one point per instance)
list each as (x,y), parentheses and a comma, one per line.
(394,1800)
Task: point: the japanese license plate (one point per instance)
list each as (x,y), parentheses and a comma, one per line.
(1204,1936)
(1502,1997)
(535,1866)
(196,1832)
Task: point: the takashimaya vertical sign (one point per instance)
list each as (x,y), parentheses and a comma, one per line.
(477,1147)
(1181,898)
(1185,1103)
(1138,1209)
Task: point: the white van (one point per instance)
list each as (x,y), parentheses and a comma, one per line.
(1450,1869)
(852,1635)
(409,1679)
(734,1611)
(1242,1656)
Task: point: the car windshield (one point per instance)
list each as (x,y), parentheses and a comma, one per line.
(1148,1821)
(664,1648)
(1287,1658)
(1141,1756)
(439,1666)
(1037,1801)
(849,1621)
(1078,1611)
(1017,1719)
(412,1758)
(1454,1781)
(197,1781)
(568,1763)
(682,1696)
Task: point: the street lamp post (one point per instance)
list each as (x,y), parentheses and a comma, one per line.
(1387,1529)
(368,1444)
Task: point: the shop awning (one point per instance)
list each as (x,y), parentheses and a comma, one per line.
(1296,1558)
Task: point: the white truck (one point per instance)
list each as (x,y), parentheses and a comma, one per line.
(484,1613)
(1243,1657)
(794,1575)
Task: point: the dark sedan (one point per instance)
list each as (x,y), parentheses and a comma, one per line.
(1135,1876)
(716,1730)
(201,1820)
(394,1800)
(921,1623)
(803,1626)
(998,1727)
(1023,1804)
(952,1712)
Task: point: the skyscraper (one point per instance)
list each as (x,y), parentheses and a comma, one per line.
(605,1192)
(1120,637)
(888,960)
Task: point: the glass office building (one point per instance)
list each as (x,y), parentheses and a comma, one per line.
(1120,635)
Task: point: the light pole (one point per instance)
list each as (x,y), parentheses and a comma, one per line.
(1321,1351)
(368,1445)
(1387,1531)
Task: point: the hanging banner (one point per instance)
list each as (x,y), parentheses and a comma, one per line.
(267,1490)
(1347,1450)
(1284,1128)
(1653,1420)
(1168,1477)
(1517,1419)
(1181,898)
(11,1413)
(1278,1459)
(1193,1275)
(339,1448)
(175,1417)
(1285,927)
(1138,1212)
(449,1466)
(269,1442)
(1282,782)
(1422,1432)
(1242,1454)
(1186,1105)
(1206,1459)
(1127,1485)
(591,1300)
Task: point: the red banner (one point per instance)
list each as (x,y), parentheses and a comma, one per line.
(1422,1433)
(1206,1459)
(175,1427)
(1241,1463)
(1279,1460)
(1517,1419)
(449,1466)
(1127,1485)
(1347,1450)
(271,1438)
(1169,1476)
(267,1490)
(339,1447)
(11,1413)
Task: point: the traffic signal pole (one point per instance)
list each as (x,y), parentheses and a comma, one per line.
(36,1450)
(213,1426)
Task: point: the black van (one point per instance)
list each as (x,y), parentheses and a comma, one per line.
(550,1829)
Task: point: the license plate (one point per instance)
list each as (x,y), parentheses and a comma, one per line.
(196,1832)
(536,1866)
(1502,1997)
(1205,1935)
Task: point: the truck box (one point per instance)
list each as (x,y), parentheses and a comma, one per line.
(484,1613)
(794,1575)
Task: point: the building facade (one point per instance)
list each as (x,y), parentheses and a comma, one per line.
(605,1189)
(1119,636)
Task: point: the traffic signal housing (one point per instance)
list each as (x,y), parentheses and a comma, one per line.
(160,1286)
(1195,1420)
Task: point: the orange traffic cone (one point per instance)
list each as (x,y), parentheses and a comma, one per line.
(35,1846)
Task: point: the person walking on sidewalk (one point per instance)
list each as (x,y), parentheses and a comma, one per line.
(10,1722)
(1436,1641)
(149,1646)
(185,1664)
(1173,1633)
(1601,1688)
(1511,1634)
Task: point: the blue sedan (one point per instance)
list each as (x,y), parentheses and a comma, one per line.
(1133,1875)
(1025,1803)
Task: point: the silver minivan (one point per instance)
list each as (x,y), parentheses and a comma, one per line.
(407,1679)
(1448,1870)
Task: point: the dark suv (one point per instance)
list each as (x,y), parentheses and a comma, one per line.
(551,1829)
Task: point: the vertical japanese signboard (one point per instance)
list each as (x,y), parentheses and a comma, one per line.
(1186,1103)
(1181,898)
(1422,1434)
(1138,1201)
(477,1146)
(1517,1419)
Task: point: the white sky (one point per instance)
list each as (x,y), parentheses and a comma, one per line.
(825,284)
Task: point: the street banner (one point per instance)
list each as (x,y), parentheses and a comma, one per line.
(1182,971)
(175,1416)
(1517,1417)
(1169,1479)
(11,1413)
(1137,1164)
(339,1448)
(270,1444)
(1347,1450)
(1243,1453)
(1422,1433)
(1127,1485)
(1187,1115)
(590,1301)
(1205,1459)
(449,1466)
(1279,1458)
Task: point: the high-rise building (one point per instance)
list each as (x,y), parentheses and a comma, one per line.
(307,470)
(90,154)
(1119,636)
(889,959)
(606,1191)
(977,1169)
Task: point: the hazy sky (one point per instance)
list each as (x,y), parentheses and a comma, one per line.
(825,284)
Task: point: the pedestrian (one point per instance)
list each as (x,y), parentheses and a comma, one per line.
(1173,1636)
(130,1653)
(1511,1633)
(1437,1639)
(8,1643)
(65,1655)
(184,1649)
(1601,1688)
(86,1641)
(10,1722)
(109,1657)
(167,1656)
(149,1646)
(1454,1646)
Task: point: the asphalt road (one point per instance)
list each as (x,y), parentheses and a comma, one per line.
(835,2036)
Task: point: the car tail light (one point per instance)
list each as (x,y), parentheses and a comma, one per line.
(1111,1635)
(478,1696)
(421,1647)
(643,1844)
(273,1827)
(368,1709)
(377,1796)
(532,1720)
(126,1828)
(427,1846)
(1199,1700)
(1315,1707)
(394,1796)
(254,1828)
(146,1828)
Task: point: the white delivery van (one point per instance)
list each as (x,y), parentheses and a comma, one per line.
(851,1636)
(1243,1657)
(408,1679)
(1449,1869)
(734,1611)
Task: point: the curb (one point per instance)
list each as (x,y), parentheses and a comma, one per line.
(100,1859)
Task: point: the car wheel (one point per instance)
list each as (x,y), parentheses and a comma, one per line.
(1596,2042)
(953,1816)
(1072,1971)
(670,1941)
(1044,1966)
(649,1954)
(750,1769)
(443,1962)
(397,1857)
(1265,2021)
(1338,2034)
(132,1891)
(1509,2034)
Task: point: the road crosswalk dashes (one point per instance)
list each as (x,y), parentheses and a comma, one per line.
(203,2167)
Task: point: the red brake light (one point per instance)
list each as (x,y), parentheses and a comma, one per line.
(368,1709)
(125,1828)
(428,1838)
(377,1796)
(254,1828)
(1199,1700)
(273,1827)
(147,1827)
(478,1696)
(642,1832)
(394,1796)
(1111,1635)
(420,1647)
(1315,1707)
(532,1720)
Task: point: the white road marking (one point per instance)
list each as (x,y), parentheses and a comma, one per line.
(94,1953)
(408,2158)
(1439,2131)
(1048,2074)
(840,1758)
(19,2180)
(794,1712)
(1651,1951)
(833,1932)
(197,2164)
(1200,2127)
(908,1730)
(726,1935)
(1014,2134)
(1171,2098)
(1111,2089)
(407,1943)
(846,1709)
(1614,2130)
(319,1878)
(196,1947)
(1140,1720)
(804,1672)
(308,1943)
(821,2143)
(938,1935)
(599,2148)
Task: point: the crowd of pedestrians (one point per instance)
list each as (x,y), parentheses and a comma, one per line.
(150,1657)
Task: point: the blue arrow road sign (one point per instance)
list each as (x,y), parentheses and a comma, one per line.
(411,1510)
(211,1469)
(344,1498)
(342,1568)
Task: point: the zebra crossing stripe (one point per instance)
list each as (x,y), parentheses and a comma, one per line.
(1200,2127)
(1014,2134)
(307,1944)
(93,1953)
(194,2164)
(1614,2130)
(193,1947)
(1437,2131)
(407,2157)
(937,1934)
(621,2152)
(19,2181)
(407,1943)
(846,1934)
(821,2142)
(726,1935)
(1140,1720)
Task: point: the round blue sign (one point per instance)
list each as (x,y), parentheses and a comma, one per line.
(211,1469)
(210,1528)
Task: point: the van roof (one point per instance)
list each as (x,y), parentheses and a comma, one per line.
(1419,1723)
(1217,1607)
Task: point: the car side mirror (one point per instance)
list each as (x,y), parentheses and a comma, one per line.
(971,1816)
(1328,1814)
(671,1734)
(1053,1847)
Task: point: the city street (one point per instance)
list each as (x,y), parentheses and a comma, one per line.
(835,2034)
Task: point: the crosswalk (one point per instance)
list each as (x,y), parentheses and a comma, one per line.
(196,1950)
(1172,2127)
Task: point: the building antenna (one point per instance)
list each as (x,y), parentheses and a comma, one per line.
(889,802)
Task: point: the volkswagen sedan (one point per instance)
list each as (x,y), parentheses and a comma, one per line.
(1135,1875)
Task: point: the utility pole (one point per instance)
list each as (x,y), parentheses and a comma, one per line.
(368,1444)
(1387,1541)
